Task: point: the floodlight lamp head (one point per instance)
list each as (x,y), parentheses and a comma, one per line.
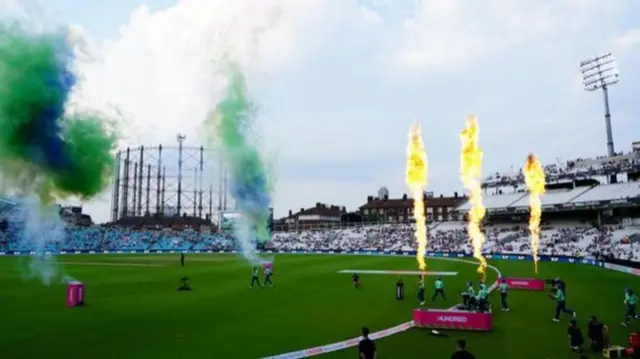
(597,60)
(599,72)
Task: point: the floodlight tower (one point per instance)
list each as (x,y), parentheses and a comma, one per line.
(599,73)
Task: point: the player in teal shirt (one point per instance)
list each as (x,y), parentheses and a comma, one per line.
(470,290)
(255,277)
(561,304)
(631,300)
(469,296)
(268,272)
(504,289)
(421,296)
(483,294)
(439,289)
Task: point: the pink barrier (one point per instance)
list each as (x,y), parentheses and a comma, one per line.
(75,294)
(452,319)
(525,283)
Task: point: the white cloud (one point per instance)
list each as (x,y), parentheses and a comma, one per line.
(628,40)
(371,16)
(449,35)
(161,71)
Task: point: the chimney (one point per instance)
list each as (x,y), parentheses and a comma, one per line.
(318,204)
(369,199)
(290,213)
(404,196)
(301,209)
(385,198)
(441,196)
(424,196)
(455,194)
(344,209)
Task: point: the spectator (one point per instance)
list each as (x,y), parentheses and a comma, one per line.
(461,352)
(596,334)
(576,340)
(366,347)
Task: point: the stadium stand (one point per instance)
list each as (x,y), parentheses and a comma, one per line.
(569,238)
(612,192)
(574,169)
(555,197)
(583,221)
(97,238)
(498,200)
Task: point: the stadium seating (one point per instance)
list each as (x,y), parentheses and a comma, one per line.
(564,237)
(575,169)
(554,197)
(113,238)
(558,239)
(612,192)
(499,201)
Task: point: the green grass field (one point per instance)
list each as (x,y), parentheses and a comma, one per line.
(134,310)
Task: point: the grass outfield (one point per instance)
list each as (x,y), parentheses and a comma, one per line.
(134,310)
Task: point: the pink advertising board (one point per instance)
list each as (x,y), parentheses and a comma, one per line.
(452,319)
(623,269)
(525,283)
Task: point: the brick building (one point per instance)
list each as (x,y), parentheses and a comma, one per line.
(393,210)
(320,213)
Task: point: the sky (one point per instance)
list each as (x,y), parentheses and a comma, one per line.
(338,83)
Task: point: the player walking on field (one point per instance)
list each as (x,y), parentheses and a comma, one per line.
(504,288)
(469,297)
(267,277)
(561,304)
(421,295)
(631,300)
(439,289)
(254,277)
(356,280)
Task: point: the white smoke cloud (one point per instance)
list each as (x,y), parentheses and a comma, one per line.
(161,75)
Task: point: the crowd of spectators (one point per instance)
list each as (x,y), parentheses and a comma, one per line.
(570,238)
(575,239)
(574,169)
(98,238)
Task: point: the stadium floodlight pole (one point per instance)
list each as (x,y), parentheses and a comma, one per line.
(599,73)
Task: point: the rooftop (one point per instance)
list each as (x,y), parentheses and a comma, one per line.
(406,202)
